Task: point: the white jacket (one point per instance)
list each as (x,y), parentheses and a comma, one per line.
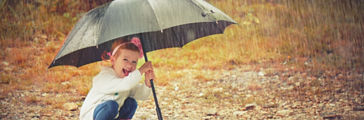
(108,86)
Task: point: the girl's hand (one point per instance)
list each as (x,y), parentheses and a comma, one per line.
(148,76)
(146,67)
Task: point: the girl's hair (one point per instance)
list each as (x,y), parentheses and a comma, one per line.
(125,44)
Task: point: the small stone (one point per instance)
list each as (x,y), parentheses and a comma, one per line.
(209,83)
(291,78)
(201,94)
(248,95)
(261,73)
(164,103)
(250,106)
(58,95)
(66,83)
(239,113)
(296,105)
(332,116)
(211,112)
(332,105)
(298,84)
(216,90)
(289,88)
(5,63)
(35,116)
(70,106)
(269,116)
(283,113)
(270,105)
(43,36)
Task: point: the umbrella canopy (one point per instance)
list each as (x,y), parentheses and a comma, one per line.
(159,23)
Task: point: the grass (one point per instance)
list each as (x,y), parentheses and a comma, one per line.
(328,37)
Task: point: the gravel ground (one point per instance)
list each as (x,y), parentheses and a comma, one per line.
(243,92)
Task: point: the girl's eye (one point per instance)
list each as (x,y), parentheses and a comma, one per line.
(125,59)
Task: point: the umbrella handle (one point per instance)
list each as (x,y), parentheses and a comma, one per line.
(159,113)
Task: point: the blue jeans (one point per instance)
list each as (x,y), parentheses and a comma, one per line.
(109,109)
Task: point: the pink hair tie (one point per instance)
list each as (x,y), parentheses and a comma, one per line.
(109,54)
(136,42)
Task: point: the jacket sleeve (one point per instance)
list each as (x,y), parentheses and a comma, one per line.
(140,92)
(110,84)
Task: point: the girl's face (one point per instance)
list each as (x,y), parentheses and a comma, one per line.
(125,63)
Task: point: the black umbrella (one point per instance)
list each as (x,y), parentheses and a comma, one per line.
(158,23)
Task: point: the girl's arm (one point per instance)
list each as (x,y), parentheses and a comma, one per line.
(140,92)
(110,84)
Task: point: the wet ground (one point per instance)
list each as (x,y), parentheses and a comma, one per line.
(243,92)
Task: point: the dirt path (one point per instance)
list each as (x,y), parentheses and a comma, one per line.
(239,93)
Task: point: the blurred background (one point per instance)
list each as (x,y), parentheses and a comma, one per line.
(310,36)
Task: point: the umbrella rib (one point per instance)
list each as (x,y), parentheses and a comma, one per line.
(156,17)
(204,9)
(217,27)
(89,15)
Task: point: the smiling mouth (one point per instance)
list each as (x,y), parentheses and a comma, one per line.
(126,72)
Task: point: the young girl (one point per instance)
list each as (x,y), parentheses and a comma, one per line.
(115,88)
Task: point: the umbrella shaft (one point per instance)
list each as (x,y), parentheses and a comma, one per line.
(159,113)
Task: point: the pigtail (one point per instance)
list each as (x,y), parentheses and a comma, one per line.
(105,56)
(136,42)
